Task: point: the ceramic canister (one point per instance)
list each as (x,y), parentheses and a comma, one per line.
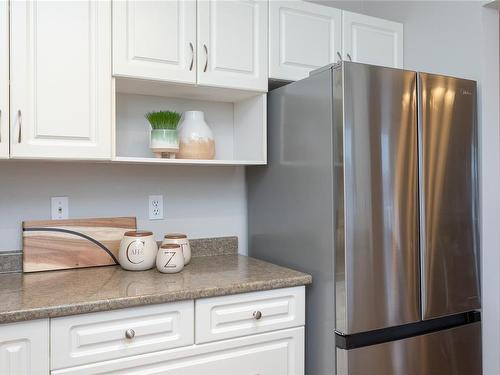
(170,258)
(180,239)
(137,251)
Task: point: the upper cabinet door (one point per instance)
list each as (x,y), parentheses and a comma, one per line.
(155,40)
(302,37)
(232,44)
(4,79)
(60,79)
(372,40)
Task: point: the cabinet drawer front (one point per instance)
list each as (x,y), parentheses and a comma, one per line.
(101,336)
(273,353)
(246,314)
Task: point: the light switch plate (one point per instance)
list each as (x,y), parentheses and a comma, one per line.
(59,208)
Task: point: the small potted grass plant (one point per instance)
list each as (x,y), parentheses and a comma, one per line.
(164,141)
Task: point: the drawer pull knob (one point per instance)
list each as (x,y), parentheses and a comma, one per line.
(129,333)
(257,315)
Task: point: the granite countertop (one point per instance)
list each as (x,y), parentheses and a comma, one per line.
(59,293)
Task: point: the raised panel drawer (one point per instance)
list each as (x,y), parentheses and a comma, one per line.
(101,336)
(273,353)
(225,317)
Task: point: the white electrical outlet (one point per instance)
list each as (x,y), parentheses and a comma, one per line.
(59,208)
(155,207)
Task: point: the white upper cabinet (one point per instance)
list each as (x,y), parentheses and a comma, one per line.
(24,348)
(305,36)
(155,40)
(4,79)
(60,66)
(372,40)
(302,37)
(232,44)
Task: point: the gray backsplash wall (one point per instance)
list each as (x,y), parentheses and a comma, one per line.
(201,201)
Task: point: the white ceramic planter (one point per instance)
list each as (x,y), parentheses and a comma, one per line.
(164,142)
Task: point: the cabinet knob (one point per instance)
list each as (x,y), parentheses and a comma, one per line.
(129,333)
(257,315)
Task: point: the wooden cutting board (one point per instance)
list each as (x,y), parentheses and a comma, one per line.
(76,243)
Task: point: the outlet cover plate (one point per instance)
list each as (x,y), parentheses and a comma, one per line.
(155,207)
(59,208)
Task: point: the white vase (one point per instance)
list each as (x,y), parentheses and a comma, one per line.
(196,139)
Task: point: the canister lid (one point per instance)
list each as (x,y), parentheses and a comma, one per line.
(172,236)
(170,246)
(138,233)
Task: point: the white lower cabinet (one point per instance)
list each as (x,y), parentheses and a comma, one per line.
(24,348)
(258,333)
(275,353)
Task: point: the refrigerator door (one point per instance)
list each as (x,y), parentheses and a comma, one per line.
(448,195)
(454,351)
(378,285)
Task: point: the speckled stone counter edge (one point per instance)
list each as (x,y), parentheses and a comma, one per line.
(12,261)
(106,305)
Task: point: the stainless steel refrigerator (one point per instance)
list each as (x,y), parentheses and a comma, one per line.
(371,187)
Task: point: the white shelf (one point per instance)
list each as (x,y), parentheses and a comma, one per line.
(215,162)
(239,126)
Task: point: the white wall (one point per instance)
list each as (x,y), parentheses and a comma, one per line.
(490,190)
(199,201)
(439,37)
